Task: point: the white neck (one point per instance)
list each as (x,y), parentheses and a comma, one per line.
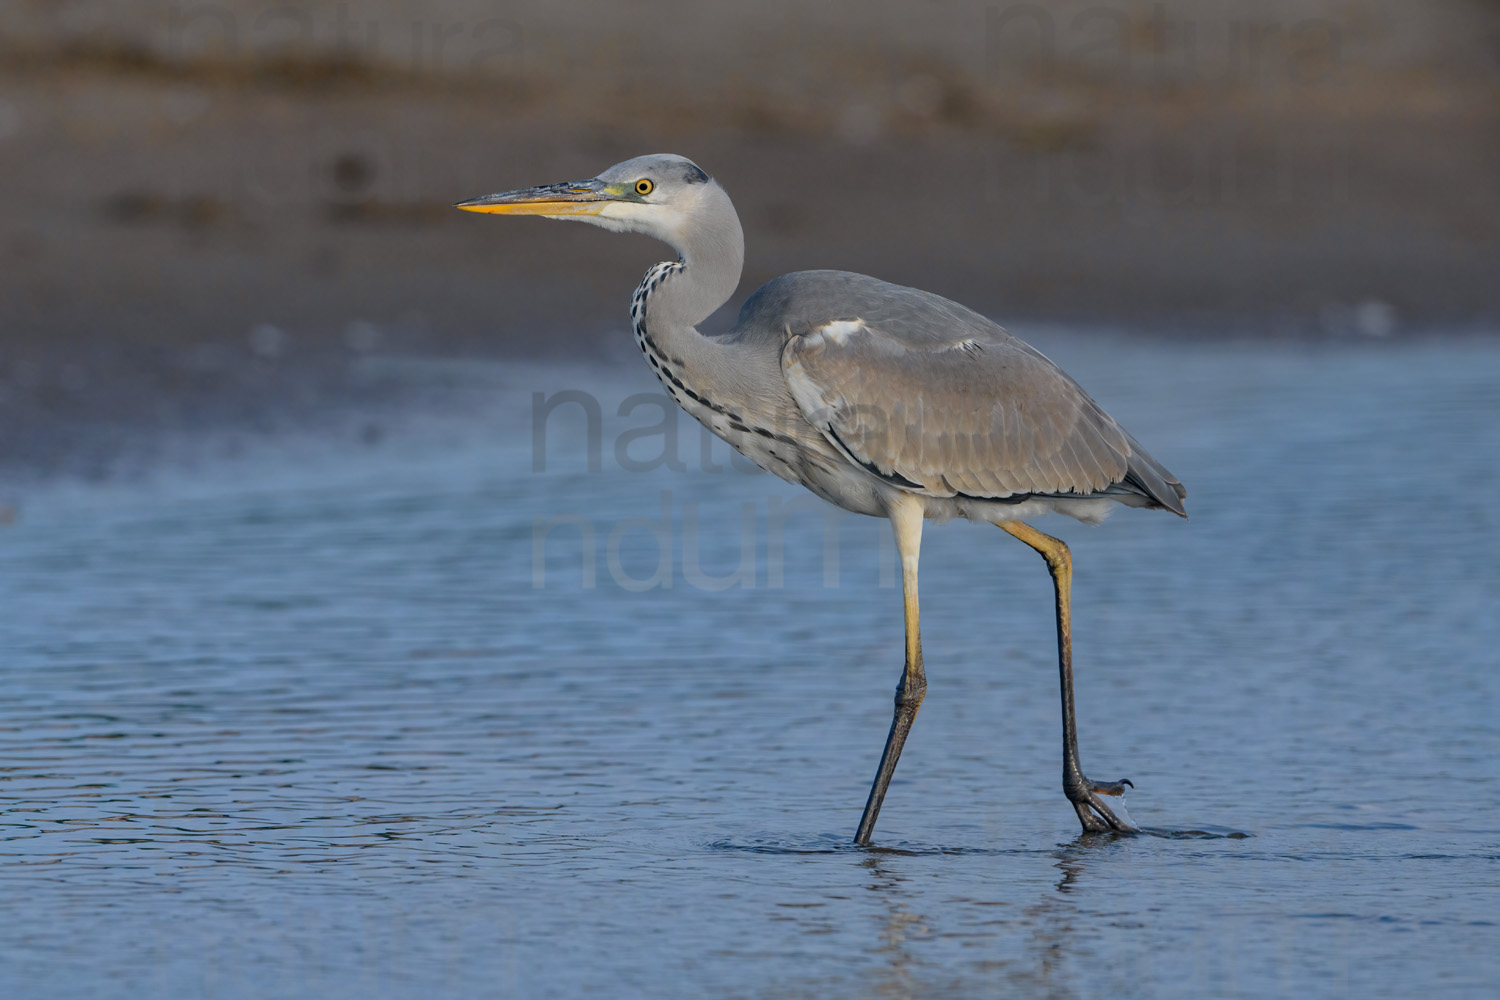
(711,248)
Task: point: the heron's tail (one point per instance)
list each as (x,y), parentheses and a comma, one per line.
(1148,477)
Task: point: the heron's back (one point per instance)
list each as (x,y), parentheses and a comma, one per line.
(936,399)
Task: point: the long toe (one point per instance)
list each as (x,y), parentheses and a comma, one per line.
(1111,787)
(1094,812)
(1091,822)
(1115,822)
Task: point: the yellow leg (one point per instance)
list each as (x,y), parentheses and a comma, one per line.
(1093,813)
(906,520)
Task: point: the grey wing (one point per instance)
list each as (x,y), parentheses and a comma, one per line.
(938,400)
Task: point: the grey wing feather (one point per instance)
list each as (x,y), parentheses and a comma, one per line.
(938,400)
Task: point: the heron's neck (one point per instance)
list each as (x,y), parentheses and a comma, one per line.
(675,297)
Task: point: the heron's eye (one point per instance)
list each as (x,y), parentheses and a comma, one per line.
(644,186)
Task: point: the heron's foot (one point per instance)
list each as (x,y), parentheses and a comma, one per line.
(1093,812)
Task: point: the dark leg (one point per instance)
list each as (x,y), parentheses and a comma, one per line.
(906,520)
(1093,813)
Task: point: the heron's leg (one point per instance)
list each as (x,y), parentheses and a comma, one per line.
(1093,813)
(906,520)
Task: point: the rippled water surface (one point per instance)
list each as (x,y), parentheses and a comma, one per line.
(336,715)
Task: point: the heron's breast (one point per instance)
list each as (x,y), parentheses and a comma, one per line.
(794,453)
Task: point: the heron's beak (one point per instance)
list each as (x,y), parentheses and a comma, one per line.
(558,200)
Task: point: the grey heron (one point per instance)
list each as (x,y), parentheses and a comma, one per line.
(884,400)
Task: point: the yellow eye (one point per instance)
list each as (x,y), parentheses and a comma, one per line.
(644,186)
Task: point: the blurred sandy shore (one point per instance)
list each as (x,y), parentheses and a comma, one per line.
(191,188)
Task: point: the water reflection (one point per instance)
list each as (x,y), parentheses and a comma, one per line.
(897,924)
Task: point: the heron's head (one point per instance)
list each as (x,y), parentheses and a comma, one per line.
(660,195)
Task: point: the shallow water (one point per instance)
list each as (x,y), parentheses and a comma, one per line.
(320,716)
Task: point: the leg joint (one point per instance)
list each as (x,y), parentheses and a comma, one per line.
(911,690)
(1054,550)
